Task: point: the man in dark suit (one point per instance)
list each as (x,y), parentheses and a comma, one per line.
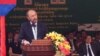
(72,42)
(87,48)
(33,29)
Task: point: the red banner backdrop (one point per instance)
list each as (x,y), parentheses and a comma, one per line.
(5,7)
(7,1)
(2,36)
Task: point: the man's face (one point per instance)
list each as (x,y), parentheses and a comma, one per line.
(16,36)
(98,37)
(88,39)
(84,34)
(71,35)
(32,16)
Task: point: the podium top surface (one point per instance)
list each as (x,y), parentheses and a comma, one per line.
(41,42)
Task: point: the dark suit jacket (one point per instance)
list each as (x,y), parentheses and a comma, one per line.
(27,34)
(97,42)
(16,47)
(74,42)
(83,51)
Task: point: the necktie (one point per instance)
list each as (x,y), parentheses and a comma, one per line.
(89,51)
(33,24)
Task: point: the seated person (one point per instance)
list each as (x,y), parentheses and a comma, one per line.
(72,41)
(87,48)
(15,45)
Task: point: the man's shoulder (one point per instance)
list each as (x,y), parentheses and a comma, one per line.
(25,24)
(41,23)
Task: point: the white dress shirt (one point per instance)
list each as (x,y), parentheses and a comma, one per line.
(34,30)
(72,43)
(90,50)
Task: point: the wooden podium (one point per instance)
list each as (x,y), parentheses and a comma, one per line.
(39,48)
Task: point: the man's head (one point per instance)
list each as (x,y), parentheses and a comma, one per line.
(32,15)
(97,35)
(16,35)
(88,39)
(71,35)
(83,33)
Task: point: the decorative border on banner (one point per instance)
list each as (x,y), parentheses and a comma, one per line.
(27,2)
(58,1)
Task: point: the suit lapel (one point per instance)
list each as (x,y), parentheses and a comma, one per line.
(85,49)
(30,30)
(93,48)
(38,30)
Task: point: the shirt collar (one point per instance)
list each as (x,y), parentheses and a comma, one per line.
(88,44)
(35,23)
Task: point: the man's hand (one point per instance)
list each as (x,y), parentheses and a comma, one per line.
(25,42)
